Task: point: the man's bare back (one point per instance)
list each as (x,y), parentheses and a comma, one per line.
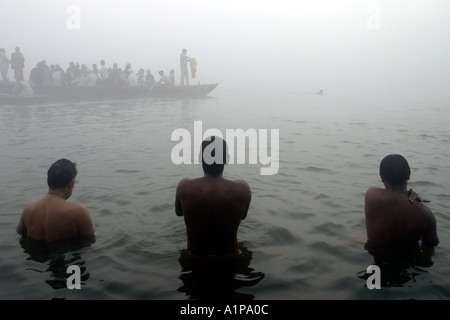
(213,208)
(52,217)
(395,221)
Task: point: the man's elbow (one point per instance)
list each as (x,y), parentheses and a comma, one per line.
(21,230)
(88,233)
(431,242)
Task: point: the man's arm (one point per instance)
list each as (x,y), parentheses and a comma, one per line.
(372,203)
(178,208)
(21,227)
(430,236)
(85,226)
(248,195)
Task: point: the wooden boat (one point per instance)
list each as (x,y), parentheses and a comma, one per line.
(17,100)
(49,94)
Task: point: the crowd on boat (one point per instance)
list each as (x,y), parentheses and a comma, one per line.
(80,75)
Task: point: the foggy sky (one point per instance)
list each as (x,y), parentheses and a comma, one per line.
(286,45)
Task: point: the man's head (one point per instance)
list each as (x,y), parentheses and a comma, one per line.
(61,174)
(17,49)
(161,72)
(214,155)
(394,170)
(184,51)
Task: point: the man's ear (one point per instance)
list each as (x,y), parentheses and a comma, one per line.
(72,184)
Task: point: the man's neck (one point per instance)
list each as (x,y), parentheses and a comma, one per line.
(217,176)
(398,189)
(58,193)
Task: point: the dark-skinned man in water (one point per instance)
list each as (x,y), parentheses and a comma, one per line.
(212,206)
(52,217)
(397,219)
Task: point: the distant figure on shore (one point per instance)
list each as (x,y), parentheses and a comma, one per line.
(17,64)
(164,80)
(4,64)
(37,75)
(172,76)
(212,206)
(103,72)
(184,59)
(140,77)
(52,217)
(58,75)
(149,79)
(396,219)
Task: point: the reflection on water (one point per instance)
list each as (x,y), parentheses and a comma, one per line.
(398,270)
(56,257)
(218,278)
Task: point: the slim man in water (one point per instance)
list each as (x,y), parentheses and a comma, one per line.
(396,222)
(52,217)
(212,206)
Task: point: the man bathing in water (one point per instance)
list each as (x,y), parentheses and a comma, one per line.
(396,219)
(212,206)
(52,217)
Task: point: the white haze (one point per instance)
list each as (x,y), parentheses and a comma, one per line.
(280,46)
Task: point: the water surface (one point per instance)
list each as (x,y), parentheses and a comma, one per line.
(305,230)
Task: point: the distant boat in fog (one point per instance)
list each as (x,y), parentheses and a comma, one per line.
(320,92)
(44,94)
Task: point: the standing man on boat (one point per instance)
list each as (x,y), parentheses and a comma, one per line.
(4,64)
(212,206)
(184,59)
(17,64)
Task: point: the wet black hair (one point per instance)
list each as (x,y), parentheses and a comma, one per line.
(394,169)
(214,168)
(61,173)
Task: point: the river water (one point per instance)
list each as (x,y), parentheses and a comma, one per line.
(304,234)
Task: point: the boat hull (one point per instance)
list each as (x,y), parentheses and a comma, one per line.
(84,93)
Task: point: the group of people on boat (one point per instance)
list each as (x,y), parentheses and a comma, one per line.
(80,75)
(76,75)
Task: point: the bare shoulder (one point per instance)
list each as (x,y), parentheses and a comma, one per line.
(374,199)
(78,210)
(183,182)
(83,219)
(375,194)
(183,185)
(242,187)
(30,205)
(374,191)
(242,183)
(424,209)
(30,208)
